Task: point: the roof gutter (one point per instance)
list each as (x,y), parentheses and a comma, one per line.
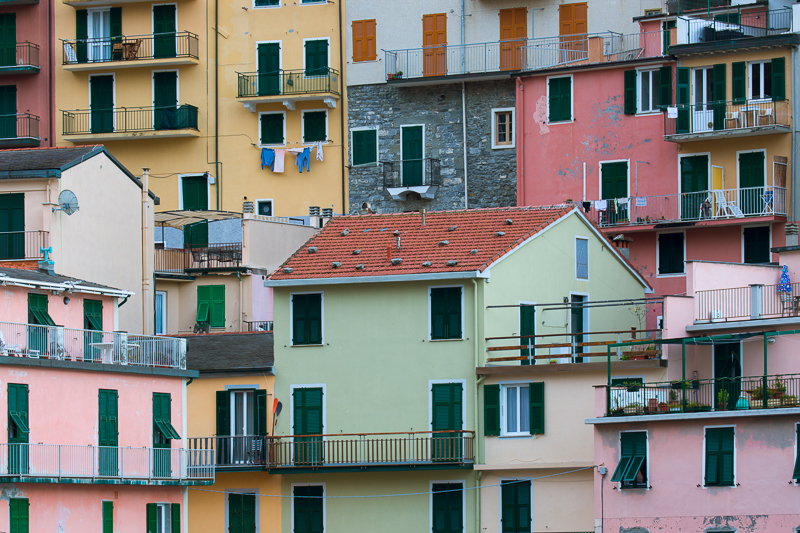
(470,274)
(4,280)
(23,174)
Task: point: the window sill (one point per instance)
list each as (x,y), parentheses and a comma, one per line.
(267,7)
(361,165)
(570,121)
(273,146)
(354,61)
(503,147)
(306,345)
(446,340)
(677,275)
(516,436)
(733,486)
(649,114)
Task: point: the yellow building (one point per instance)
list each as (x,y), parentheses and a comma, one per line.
(141,78)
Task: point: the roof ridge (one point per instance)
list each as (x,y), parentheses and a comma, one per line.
(454,211)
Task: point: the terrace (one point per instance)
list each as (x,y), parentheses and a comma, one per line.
(713,120)
(411,177)
(19,59)
(288,87)
(123,123)
(129,51)
(218,256)
(20,245)
(20,130)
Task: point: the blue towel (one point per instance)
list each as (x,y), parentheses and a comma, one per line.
(303,160)
(267,158)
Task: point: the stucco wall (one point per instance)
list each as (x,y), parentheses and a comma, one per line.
(182,301)
(14,308)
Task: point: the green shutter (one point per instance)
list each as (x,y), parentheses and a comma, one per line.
(682,95)
(307,411)
(445,313)
(306,319)
(93,315)
(314,126)
(720,93)
(665,87)
(633,455)
(317,57)
(756,245)
(437,314)
(739,82)
(223,413)
(365,147)
(670,253)
(176,518)
(719,456)
(108,517)
(778,78)
(536,397)
(560,102)
(796,474)
(308,509)
(261,412)
(115,22)
(19,515)
(81,34)
(108,421)
(630,92)
(491,410)
(18,427)
(454,313)
(299,304)
(447,507)
(314,318)
(527,326)
(272,128)
(203,303)
(152,518)
(217,307)
(515,502)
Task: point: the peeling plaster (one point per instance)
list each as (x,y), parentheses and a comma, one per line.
(540,115)
(10,490)
(63,516)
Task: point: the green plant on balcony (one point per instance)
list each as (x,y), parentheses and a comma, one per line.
(680,384)
(634,408)
(617,409)
(697,406)
(777,389)
(722,399)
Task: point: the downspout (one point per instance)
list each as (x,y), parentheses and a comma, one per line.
(145,280)
(475,403)
(216,101)
(342,114)
(794,212)
(520,137)
(241,302)
(51,65)
(464,134)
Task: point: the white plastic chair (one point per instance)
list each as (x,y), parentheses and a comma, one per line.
(766,117)
(725,208)
(732,116)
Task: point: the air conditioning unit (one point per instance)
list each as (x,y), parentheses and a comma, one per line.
(715,315)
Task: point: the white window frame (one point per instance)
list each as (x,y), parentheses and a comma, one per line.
(266,7)
(291,411)
(600,177)
(430,313)
(463,483)
(303,125)
(209,179)
(377,146)
(735,459)
(258,133)
(751,97)
(500,498)
(227,508)
(769,226)
(504,386)
(270,200)
(738,177)
(324,498)
(431,383)
(163,324)
(571,98)
(232,408)
(291,321)
(113,95)
(304,54)
(166,517)
(423,149)
(654,91)
(658,255)
(92,38)
(581,238)
(646,451)
(512,133)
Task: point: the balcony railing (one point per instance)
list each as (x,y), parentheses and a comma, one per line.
(288,82)
(412,173)
(522,54)
(702,395)
(743,303)
(726,117)
(717,204)
(733,25)
(91,346)
(337,450)
(259,325)
(19,128)
(104,464)
(214,256)
(22,56)
(15,245)
(129,119)
(130,48)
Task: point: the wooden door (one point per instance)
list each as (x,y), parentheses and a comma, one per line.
(434,41)
(513,32)
(164,30)
(572,22)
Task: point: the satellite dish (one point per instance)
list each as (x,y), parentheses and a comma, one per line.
(67,202)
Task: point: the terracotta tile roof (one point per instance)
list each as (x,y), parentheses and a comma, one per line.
(450,241)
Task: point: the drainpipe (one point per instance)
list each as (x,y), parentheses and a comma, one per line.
(241,302)
(145,280)
(51,65)
(520,147)
(464,134)
(342,114)
(794,180)
(216,101)
(475,403)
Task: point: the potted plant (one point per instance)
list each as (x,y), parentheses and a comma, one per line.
(789,400)
(777,389)
(553,361)
(674,404)
(634,409)
(679,384)
(722,399)
(652,405)
(617,410)
(663,407)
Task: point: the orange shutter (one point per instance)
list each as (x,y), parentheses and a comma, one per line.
(506,24)
(358,40)
(520,28)
(572,19)
(369,40)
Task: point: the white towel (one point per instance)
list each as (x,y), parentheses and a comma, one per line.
(319,151)
(279,155)
(295,150)
(599,205)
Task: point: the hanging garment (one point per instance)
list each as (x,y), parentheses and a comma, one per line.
(303,160)
(601,205)
(319,151)
(295,150)
(279,155)
(267,158)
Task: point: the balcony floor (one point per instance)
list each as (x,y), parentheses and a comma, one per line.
(727,221)
(12,478)
(133,135)
(728,134)
(368,468)
(289,101)
(739,324)
(20,142)
(135,63)
(18,69)
(672,417)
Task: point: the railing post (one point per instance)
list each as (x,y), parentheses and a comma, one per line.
(756,305)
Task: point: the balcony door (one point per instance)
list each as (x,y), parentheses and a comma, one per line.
(107,438)
(269,69)
(513,32)
(8,111)
(241,426)
(166,115)
(39,320)
(434,44)
(447,420)
(164,30)
(411,145)
(195,198)
(99,32)
(307,404)
(101,103)
(702,98)
(12,226)
(8,39)
(751,182)
(93,346)
(577,321)
(727,371)
(694,185)
(614,182)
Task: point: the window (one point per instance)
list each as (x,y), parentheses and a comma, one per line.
(211,305)
(652,12)
(364,40)
(582,258)
(365,146)
(306,319)
(647,91)
(264,208)
(760,80)
(632,468)
(514,409)
(242,513)
(37,310)
(796,473)
(12,206)
(163,518)
(756,244)
(315,126)
(316,57)
(515,500)
(649,82)
(273,128)
(503,128)
(194,197)
(161,312)
(308,424)
(17,413)
(241,412)
(719,456)
(108,516)
(267,3)
(18,509)
(162,417)
(308,508)
(447,507)
(670,254)
(559,99)
(445,309)
(447,420)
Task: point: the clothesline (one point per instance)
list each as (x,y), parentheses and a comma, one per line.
(274,158)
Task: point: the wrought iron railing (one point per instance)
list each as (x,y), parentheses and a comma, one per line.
(717,204)
(732,25)
(19,126)
(412,172)
(130,48)
(19,56)
(91,346)
(105,463)
(23,244)
(129,119)
(259,325)
(180,260)
(699,395)
(753,302)
(713,117)
(287,82)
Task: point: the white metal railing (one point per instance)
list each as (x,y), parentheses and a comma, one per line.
(105,462)
(70,344)
(734,25)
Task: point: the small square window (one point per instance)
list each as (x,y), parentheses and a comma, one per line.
(503,128)
(670,254)
(264,207)
(315,126)
(652,12)
(365,147)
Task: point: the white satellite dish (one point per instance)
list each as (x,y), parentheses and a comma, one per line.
(67,202)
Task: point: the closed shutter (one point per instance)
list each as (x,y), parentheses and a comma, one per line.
(739,82)
(536,397)
(19,515)
(670,251)
(778,79)
(665,87)
(115,23)
(81,34)
(364,40)
(756,245)
(314,126)
(306,319)
(299,304)
(261,413)
(454,313)
(152,518)
(308,509)
(560,103)
(314,318)
(491,410)
(235,513)
(445,313)
(527,326)
(316,58)
(307,411)
(217,313)
(719,456)
(682,96)
(108,517)
(515,504)
(18,427)
(630,92)
(108,424)
(248,513)
(223,413)
(272,128)
(447,502)
(720,93)
(365,149)
(176,518)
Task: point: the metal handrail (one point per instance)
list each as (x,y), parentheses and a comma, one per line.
(130,48)
(19,126)
(130,119)
(15,245)
(23,54)
(287,82)
(724,116)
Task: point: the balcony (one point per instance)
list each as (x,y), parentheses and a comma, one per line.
(182,261)
(288,87)
(718,120)
(360,451)
(91,346)
(755,302)
(87,3)
(412,178)
(495,60)
(20,59)
(23,245)
(62,463)
(19,131)
(124,123)
(130,51)
(718,206)
(259,325)
(733,28)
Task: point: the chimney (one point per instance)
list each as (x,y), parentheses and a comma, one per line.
(423,216)
(791,234)
(622,242)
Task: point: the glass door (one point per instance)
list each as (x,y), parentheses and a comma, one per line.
(702,98)
(99,35)
(242,426)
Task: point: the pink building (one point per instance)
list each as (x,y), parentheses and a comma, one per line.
(27,84)
(96,417)
(713,446)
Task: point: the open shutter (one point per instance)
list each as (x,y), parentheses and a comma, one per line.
(223,413)
(682,94)
(261,412)
(778,79)
(298,401)
(81,34)
(108,517)
(491,410)
(437,314)
(299,304)
(176,518)
(720,93)
(630,92)
(712,457)
(217,318)
(152,518)
(115,22)
(739,82)
(314,318)
(665,86)
(536,396)
(203,303)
